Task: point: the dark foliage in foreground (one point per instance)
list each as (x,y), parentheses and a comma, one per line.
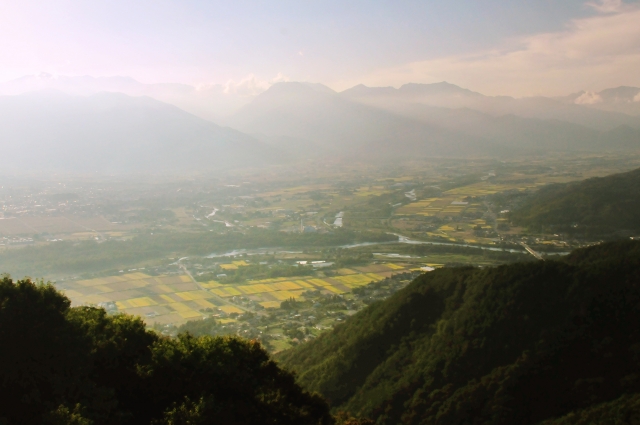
(592,207)
(62,365)
(555,341)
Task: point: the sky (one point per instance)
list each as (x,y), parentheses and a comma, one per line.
(510,47)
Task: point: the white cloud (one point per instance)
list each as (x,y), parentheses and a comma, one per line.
(591,53)
(637,98)
(251,85)
(280,78)
(588,98)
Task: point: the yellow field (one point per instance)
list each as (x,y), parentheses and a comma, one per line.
(446,206)
(179,307)
(318,282)
(72,294)
(452,203)
(286,286)
(270,304)
(193,295)
(234,265)
(165,298)
(204,303)
(304,284)
(334,289)
(231,309)
(284,295)
(174,299)
(227,291)
(142,302)
(483,188)
(211,284)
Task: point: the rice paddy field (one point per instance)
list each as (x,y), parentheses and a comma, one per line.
(177,299)
(455,201)
(165,299)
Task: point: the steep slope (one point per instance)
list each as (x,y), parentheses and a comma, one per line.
(110,132)
(515,344)
(598,205)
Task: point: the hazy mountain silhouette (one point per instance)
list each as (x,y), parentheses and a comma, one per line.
(310,120)
(110,132)
(451,96)
(621,99)
(388,123)
(316,117)
(212,102)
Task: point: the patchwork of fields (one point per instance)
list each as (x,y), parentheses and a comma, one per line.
(157,298)
(453,202)
(176,299)
(446,206)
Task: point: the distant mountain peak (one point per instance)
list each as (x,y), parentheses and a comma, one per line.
(117,133)
(411,91)
(442,87)
(362,90)
(298,86)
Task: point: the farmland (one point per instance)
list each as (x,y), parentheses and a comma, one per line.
(176,298)
(248,249)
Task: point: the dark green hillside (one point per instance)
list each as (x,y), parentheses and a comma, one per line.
(594,206)
(515,344)
(63,366)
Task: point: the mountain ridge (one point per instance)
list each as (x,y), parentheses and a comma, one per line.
(598,205)
(321,117)
(519,343)
(113,132)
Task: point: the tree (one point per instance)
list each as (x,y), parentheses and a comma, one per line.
(63,365)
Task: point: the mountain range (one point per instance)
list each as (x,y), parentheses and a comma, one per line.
(116,124)
(116,133)
(211,102)
(422,120)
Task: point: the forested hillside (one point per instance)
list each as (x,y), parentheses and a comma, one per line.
(63,366)
(554,341)
(595,206)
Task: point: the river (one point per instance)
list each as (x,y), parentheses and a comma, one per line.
(401,239)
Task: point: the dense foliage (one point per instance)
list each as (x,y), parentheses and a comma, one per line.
(515,344)
(62,365)
(594,206)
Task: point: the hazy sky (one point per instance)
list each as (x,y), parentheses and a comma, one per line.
(518,47)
